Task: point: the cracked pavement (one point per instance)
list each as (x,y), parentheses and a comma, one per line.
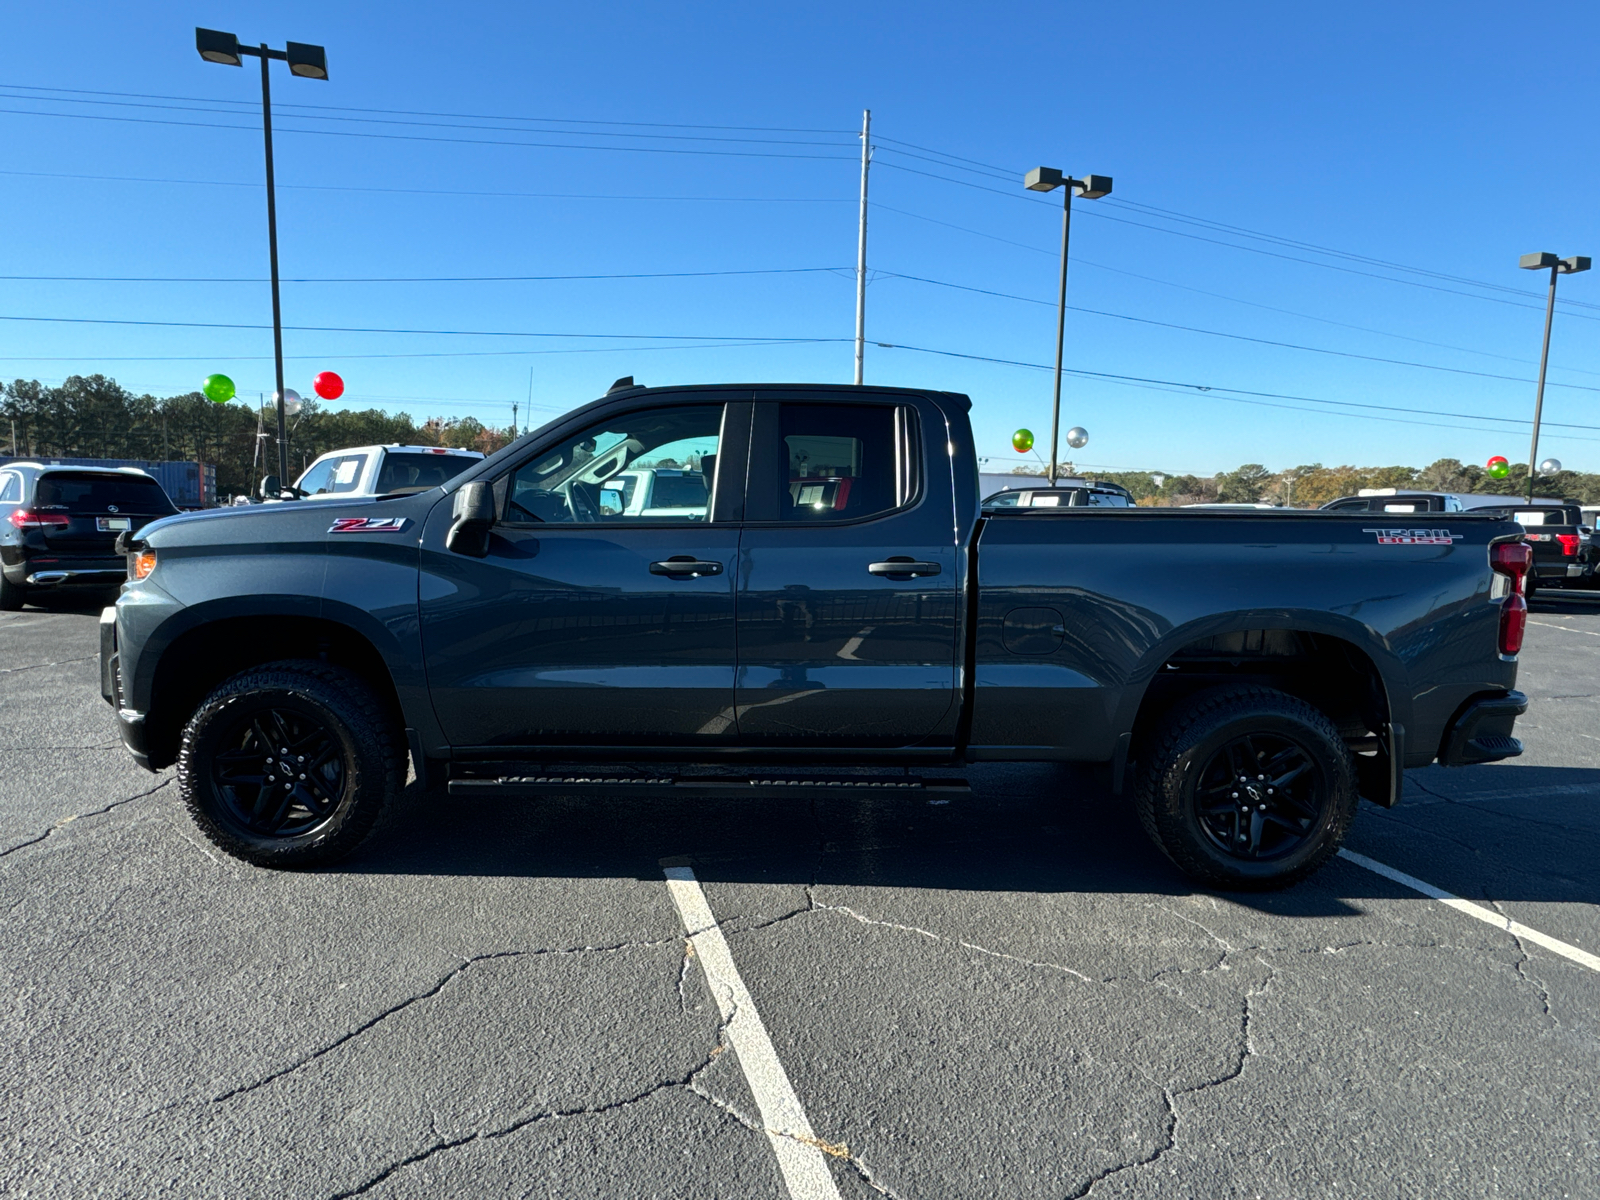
(1011,994)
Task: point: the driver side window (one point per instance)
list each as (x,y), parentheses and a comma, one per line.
(654,466)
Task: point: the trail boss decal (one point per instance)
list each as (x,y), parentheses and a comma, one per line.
(1415,537)
(368,525)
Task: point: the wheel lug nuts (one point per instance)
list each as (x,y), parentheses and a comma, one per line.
(1263,808)
(1236,795)
(302,777)
(271,778)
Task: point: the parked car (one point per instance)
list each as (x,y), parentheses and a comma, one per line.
(59,526)
(381,471)
(1074,493)
(1280,665)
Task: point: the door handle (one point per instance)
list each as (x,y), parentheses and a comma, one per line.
(906,567)
(681,566)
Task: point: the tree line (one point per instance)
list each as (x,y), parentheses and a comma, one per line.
(91,416)
(1312,485)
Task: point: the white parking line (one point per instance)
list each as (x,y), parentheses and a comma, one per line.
(799,1150)
(1565,628)
(1486,915)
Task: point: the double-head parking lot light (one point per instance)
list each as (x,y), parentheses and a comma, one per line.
(1556,266)
(308,62)
(1048,179)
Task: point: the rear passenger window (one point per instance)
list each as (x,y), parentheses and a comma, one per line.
(10,489)
(845,461)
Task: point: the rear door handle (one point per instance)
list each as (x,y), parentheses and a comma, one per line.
(683,566)
(906,567)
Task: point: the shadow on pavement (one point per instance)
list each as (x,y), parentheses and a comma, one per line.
(1035,828)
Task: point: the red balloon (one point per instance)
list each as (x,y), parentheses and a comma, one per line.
(328,385)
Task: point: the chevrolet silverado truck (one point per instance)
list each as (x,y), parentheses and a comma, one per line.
(841,600)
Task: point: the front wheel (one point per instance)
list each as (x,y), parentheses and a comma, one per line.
(292,764)
(1247,788)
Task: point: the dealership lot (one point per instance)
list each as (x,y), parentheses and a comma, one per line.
(1010,993)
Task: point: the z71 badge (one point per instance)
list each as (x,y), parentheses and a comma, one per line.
(368,525)
(1415,537)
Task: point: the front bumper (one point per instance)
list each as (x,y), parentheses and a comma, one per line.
(1482,731)
(130,724)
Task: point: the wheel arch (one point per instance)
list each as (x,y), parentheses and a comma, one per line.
(1341,667)
(202,646)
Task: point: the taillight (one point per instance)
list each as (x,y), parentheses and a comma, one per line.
(1514,560)
(1569,543)
(23,519)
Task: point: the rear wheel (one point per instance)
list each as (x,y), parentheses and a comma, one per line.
(1247,788)
(12,595)
(290,765)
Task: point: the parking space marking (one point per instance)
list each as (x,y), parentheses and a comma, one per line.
(799,1150)
(1487,915)
(1565,628)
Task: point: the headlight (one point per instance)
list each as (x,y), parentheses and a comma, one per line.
(142,564)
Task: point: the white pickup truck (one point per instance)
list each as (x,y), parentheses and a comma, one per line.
(382,471)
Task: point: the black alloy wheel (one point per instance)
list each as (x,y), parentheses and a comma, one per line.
(1259,797)
(291,764)
(1246,787)
(284,775)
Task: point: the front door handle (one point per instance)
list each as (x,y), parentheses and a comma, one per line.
(903,567)
(684,566)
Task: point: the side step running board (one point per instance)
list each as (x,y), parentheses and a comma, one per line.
(554,782)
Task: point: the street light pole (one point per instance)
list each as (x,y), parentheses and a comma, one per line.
(272,254)
(1558,266)
(308,62)
(1047,179)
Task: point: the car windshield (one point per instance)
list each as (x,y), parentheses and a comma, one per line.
(420,471)
(101,493)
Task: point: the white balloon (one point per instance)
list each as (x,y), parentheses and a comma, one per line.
(291,401)
(1550,466)
(1077,437)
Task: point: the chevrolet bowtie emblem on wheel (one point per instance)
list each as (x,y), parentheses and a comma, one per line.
(368,525)
(1415,537)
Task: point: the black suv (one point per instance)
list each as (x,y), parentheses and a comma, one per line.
(59,526)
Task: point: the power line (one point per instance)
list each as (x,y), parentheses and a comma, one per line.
(411,137)
(410,113)
(658,337)
(1401,362)
(1100,214)
(999,172)
(330,187)
(414,278)
(208,107)
(1220,392)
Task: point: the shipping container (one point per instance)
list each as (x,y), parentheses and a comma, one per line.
(189,484)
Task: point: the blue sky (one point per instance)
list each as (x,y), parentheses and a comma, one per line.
(1442,138)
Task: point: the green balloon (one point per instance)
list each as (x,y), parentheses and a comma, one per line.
(1022,440)
(1498,467)
(219,389)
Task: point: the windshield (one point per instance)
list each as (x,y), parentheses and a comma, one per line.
(101,493)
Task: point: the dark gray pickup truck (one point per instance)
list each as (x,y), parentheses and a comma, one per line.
(818,589)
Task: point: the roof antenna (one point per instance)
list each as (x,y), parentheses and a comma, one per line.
(622,385)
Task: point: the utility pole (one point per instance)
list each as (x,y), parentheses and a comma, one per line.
(861,247)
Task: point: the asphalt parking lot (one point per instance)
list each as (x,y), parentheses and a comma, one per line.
(1008,994)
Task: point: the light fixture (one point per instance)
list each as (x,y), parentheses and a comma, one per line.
(216,47)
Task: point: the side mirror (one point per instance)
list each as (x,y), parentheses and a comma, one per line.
(271,488)
(472,517)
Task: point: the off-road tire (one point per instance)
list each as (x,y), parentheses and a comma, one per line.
(363,738)
(12,595)
(1192,735)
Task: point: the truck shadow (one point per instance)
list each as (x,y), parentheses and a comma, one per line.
(1520,833)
